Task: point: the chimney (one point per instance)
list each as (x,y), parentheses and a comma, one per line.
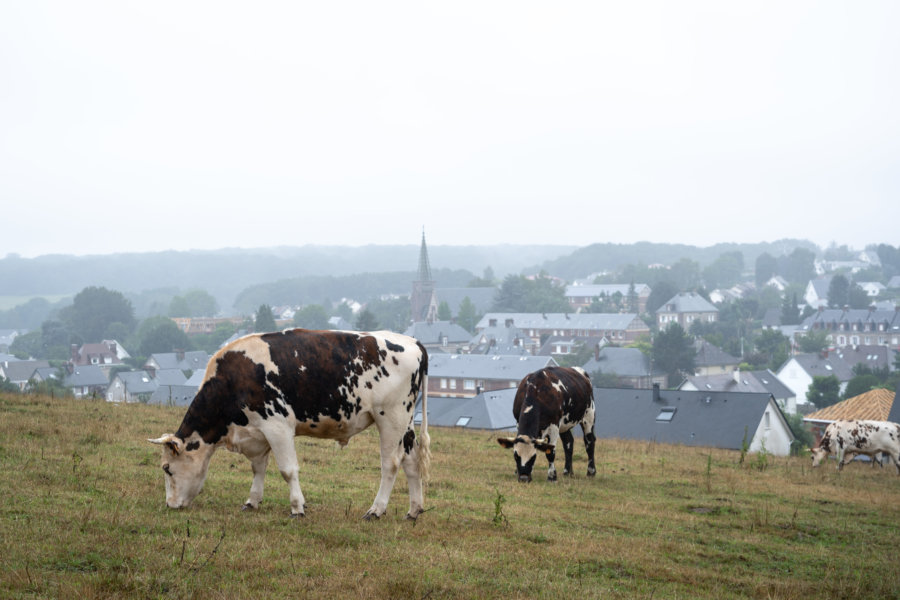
(179,354)
(737,375)
(597,352)
(73,351)
(70,367)
(656,392)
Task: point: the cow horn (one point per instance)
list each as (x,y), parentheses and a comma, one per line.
(506,442)
(170,440)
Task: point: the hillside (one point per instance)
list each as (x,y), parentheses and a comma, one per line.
(84,517)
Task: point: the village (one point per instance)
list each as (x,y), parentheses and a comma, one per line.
(706,397)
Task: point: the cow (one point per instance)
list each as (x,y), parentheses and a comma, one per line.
(548,404)
(846,439)
(261,390)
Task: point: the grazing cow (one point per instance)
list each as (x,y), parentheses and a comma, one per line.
(548,404)
(846,439)
(263,389)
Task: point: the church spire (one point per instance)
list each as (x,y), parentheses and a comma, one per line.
(424,264)
(422,300)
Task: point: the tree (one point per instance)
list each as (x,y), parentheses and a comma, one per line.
(392,313)
(773,345)
(210,342)
(93,310)
(311,316)
(674,353)
(686,274)
(857,297)
(161,334)
(790,311)
(633,302)
(264,320)
(444,313)
(519,294)
(765,268)
(366,321)
(468,316)
(838,292)
(824,391)
(861,384)
(725,271)
(661,293)
(814,341)
(486,280)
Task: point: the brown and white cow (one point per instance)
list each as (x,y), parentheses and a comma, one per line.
(263,389)
(548,404)
(846,439)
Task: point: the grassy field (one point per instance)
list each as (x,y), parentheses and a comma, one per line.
(84,517)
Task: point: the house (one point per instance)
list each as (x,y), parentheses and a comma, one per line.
(872,288)
(816,293)
(184,361)
(630,366)
(855,326)
(467,375)
(102,354)
(873,357)
(490,411)
(442,336)
(131,386)
(173,395)
(778,282)
(684,309)
(563,345)
(873,405)
(45,374)
(203,325)
(85,380)
(7,337)
(340,324)
(745,381)
(725,420)
(894,283)
(581,296)
(615,327)
(712,360)
(19,372)
(798,371)
(502,339)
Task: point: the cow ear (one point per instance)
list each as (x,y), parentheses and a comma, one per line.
(546,447)
(170,441)
(507,442)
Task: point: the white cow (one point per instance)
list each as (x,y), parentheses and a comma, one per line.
(846,439)
(263,389)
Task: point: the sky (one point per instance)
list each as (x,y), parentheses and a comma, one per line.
(149,126)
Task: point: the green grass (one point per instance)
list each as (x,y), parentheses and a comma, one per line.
(84,516)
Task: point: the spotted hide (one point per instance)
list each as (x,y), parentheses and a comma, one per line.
(548,404)
(846,439)
(263,389)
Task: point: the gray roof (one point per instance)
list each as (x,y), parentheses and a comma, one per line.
(501,339)
(192,360)
(174,395)
(86,375)
(824,365)
(172,376)
(481,297)
(712,356)
(764,381)
(711,419)
(595,321)
(22,370)
(687,303)
(890,319)
(624,362)
(490,410)
(46,373)
(432,333)
(482,366)
(894,282)
(874,357)
(137,382)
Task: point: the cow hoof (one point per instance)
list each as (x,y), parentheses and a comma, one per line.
(568,474)
(248,506)
(591,472)
(413,517)
(297,515)
(552,479)
(370,516)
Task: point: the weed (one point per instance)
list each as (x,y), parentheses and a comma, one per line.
(499,518)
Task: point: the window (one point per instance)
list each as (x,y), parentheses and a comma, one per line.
(463,421)
(452,384)
(443,383)
(666,414)
(468,384)
(766,418)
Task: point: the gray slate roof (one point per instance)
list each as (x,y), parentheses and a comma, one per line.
(874,357)
(501,339)
(482,366)
(710,419)
(624,362)
(890,319)
(596,321)
(764,381)
(172,376)
(687,303)
(192,360)
(22,370)
(489,410)
(819,365)
(138,382)
(432,333)
(709,355)
(174,395)
(86,375)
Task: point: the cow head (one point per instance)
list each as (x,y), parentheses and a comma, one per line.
(525,449)
(185,468)
(817,455)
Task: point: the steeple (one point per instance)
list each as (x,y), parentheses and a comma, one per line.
(422,300)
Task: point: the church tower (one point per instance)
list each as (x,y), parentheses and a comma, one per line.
(422,300)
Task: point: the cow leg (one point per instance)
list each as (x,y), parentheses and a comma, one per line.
(587,426)
(568,443)
(410,463)
(259,464)
(391,457)
(552,434)
(286,457)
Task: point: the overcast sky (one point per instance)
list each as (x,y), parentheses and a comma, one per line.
(174,125)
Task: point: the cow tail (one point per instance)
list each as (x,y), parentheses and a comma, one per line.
(424,453)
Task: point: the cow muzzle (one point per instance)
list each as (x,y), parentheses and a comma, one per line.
(525,478)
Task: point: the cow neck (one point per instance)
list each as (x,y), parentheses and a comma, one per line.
(209,415)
